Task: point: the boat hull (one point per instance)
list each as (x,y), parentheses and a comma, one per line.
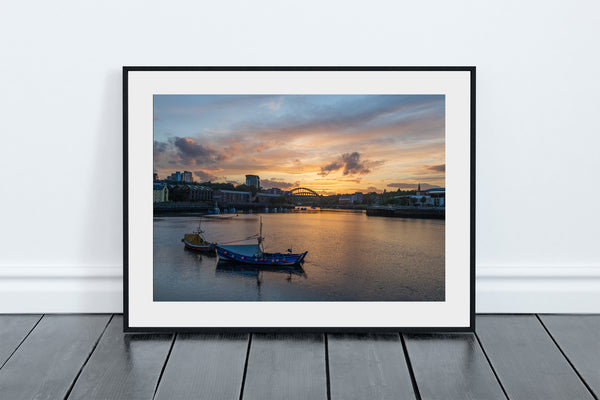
(199,247)
(267,259)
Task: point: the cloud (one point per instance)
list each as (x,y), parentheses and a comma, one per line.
(347,114)
(258,147)
(205,176)
(437,168)
(234,149)
(278,183)
(273,105)
(412,186)
(351,164)
(159,149)
(354,180)
(189,148)
(223,157)
(333,166)
(230,152)
(372,189)
(187,151)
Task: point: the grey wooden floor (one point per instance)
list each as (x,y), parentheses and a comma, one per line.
(510,356)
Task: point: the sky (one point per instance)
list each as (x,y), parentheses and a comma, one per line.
(332,144)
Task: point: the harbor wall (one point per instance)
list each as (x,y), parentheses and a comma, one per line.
(424,213)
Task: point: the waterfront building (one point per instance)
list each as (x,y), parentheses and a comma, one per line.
(185,176)
(264,198)
(160,193)
(351,199)
(253,180)
(179,192)
(275,191)
(232,196)
(190,193)
(201,193)
(346,200)
(358,197)
(175,176)
(435,197)
(155,177)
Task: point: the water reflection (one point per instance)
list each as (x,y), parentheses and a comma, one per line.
(250,270)
(257,274)
(351,257)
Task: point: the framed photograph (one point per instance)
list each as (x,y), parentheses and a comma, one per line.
(299,198)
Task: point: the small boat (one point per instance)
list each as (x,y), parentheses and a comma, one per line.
(254,254)
(196,241)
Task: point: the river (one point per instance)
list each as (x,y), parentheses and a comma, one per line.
(351,257)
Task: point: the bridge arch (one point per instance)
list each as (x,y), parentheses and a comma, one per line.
(303,192)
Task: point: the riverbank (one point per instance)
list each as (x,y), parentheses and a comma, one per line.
(173,208)
(205,208)
(421,213)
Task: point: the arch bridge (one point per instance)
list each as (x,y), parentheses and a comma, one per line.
(302,195)
(303,192)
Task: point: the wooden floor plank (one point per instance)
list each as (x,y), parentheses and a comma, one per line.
(451,366)
(46,364)
(286,366)
(123,366)
(526,360)
(205,367)
(579,338)
(13,329)
(368,366)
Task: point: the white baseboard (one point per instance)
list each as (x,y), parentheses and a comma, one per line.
(562,289)
(52,289)
(505,289)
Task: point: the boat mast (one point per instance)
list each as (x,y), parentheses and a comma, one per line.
(260,237)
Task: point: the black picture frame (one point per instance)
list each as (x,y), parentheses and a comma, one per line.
(127,170)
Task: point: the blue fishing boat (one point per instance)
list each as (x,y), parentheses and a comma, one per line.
(254,254)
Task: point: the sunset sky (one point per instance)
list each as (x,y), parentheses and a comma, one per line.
(332,144)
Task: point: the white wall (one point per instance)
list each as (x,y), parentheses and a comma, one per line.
(538,131)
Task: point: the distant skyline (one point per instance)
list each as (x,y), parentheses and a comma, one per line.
(329,143)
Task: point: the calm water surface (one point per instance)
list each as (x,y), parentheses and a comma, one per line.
(351,257)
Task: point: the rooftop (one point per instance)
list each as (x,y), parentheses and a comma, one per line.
(233,192)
